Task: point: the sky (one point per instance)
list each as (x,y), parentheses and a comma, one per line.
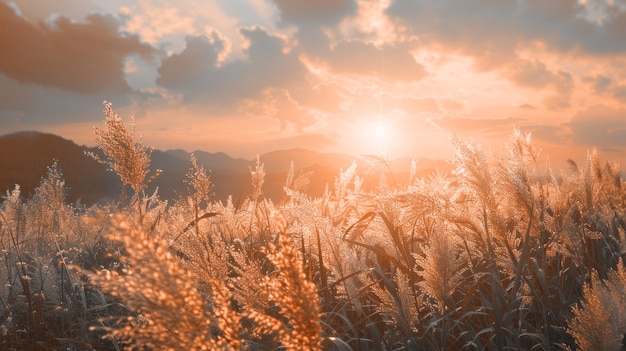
(392,77)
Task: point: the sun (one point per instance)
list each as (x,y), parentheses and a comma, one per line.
(377,135)
(380,131)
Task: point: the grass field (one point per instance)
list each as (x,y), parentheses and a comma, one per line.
(502,254)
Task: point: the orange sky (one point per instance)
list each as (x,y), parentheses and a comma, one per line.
(360,76)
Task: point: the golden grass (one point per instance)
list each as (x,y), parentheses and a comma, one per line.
(502,254)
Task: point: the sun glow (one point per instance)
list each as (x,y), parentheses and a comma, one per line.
(380,131)
(376,136)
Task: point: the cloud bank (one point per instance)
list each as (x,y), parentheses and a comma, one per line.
(297,71)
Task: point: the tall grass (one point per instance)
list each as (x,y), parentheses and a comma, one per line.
(504,253)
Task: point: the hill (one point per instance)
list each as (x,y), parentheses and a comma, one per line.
(25,156)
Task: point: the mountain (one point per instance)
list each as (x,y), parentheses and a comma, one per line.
(25,156)
(229,175)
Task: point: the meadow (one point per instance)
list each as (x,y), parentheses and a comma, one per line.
(502,254)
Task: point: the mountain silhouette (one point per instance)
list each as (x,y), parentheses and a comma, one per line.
(25,156)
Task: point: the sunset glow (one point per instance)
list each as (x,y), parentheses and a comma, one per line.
(380,131)
(251,76)
(376,136)
(313,175)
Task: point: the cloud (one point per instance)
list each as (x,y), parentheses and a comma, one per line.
(36,10)
(155,23)
(318,12)
(28,106)
(600,83)
(489,29)
(611,87)
(539,45)
(280,105)
(193,71)
(620,93)
(558,134)
(314,22)
(616,25)
(322,96)
(86,57)
(599,126)
(474,28)
(274,70)
(268,72)
(555,10)
(536,75)
(392,62)
(501,126)
(287,110)
(420,105)
(192,65)
(527,107)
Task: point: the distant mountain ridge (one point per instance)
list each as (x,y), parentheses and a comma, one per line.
(25,156)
